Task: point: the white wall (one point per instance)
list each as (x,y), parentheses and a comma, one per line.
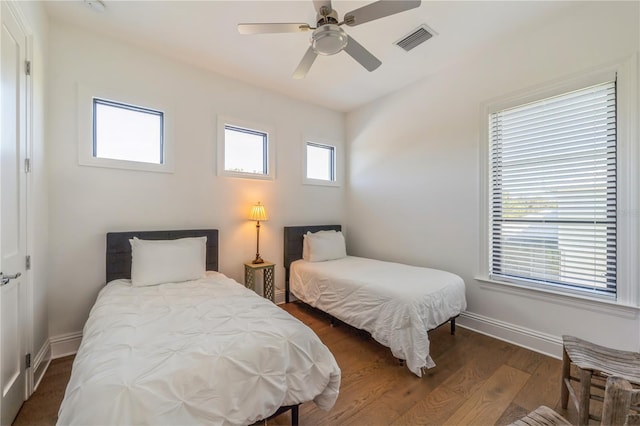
(86,202)
(413,191)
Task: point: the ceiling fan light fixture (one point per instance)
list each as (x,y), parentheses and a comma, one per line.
(329,39)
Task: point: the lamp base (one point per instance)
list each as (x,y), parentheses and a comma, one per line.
(257,260)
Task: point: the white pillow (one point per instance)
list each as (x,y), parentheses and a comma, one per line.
(326,246)
(164,261)
(305,242)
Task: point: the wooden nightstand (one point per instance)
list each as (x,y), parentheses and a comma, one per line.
(268,271)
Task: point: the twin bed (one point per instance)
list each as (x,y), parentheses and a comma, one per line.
(172,341)
(397,304)
(197,351)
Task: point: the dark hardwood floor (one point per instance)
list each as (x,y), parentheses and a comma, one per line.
(478,380)
(42,407)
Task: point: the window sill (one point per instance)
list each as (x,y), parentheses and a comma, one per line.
(593,303)
(243,175)
(320,182)
(124,164)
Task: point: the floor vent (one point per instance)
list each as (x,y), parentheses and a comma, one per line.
(416,37)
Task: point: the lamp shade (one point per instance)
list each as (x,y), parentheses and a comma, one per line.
(258,213)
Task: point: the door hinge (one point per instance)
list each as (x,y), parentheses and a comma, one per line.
(27,360)
(27,67)
(27,263)
(27,165)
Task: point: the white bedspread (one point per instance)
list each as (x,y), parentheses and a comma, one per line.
(201,352)
(396,303)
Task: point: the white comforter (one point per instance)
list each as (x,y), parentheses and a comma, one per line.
(396,303)
(200,352)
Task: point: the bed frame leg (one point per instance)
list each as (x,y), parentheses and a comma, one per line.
(401,362)
(453,326)
(294,415)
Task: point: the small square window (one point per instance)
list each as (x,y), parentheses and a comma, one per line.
(245,151)
(124,129)
(127,132)
(321,161)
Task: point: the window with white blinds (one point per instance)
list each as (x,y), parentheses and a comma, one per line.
(553,191)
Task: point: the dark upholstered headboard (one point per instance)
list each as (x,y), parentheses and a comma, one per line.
(293,246)
(119,249)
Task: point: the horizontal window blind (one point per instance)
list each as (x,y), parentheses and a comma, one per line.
(553,190)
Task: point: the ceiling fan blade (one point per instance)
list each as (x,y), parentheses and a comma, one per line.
(319,3)
(378,10)
(305,64)
(272,28)
(362,55)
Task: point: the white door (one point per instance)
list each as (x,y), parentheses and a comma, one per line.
(12,215)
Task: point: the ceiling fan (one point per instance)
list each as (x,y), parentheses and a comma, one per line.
(328,38)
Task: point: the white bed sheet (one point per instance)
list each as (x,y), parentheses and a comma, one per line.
(394,302)
(208,351)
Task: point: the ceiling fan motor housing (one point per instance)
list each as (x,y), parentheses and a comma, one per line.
(329,39)
(326,15)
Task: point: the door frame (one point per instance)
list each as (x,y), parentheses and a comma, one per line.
(26,180)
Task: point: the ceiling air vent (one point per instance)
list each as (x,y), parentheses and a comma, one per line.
(416,37)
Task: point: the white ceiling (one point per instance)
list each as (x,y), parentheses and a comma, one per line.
(204,33)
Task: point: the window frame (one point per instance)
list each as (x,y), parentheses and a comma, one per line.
(126,98)
(627,294)
(251,127)
(320,142)
(106,102)
(515,243)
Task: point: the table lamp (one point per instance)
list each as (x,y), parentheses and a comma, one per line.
(258,213)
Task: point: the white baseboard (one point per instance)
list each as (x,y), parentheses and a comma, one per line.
(536,341)
(547,344)
(527,338)
(65,344)
(41,363)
